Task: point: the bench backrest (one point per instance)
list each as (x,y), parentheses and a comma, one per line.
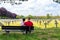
(16,27)
(12,27)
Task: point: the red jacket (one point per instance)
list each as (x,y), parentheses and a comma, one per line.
(28,23)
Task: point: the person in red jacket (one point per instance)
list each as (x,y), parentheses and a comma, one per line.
(29,26)
(28,23)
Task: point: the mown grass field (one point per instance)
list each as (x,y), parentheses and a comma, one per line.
(40,32)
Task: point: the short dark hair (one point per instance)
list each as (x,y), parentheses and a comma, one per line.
(29,18)
(23,19)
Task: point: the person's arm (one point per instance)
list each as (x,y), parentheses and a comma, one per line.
(22,23)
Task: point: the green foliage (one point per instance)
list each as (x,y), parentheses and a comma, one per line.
(41,34)
(36,35)
(17,16)
(48,16)
(21,16)
(29,16)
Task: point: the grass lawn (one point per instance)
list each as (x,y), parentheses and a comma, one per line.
(38,34)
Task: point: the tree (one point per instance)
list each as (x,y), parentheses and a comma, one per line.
(30,16)
(48,16)
(21,16)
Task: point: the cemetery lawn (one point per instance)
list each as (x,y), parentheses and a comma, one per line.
(38,34)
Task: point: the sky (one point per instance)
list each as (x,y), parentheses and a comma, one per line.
(34,7)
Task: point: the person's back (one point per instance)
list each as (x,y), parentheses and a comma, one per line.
(28,23)
(22,23)
(23,26)
(29,26)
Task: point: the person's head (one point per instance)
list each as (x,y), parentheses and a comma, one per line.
(28,19)
(23,19)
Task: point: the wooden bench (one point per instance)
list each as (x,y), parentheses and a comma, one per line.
(7,29)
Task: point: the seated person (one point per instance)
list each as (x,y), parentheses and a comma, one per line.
(23,26)
(29,26)
(22,23)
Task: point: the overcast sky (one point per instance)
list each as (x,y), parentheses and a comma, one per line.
(34,7)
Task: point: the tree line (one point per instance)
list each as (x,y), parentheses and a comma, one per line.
(48,16)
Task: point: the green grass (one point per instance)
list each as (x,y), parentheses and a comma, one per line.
(38,34)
